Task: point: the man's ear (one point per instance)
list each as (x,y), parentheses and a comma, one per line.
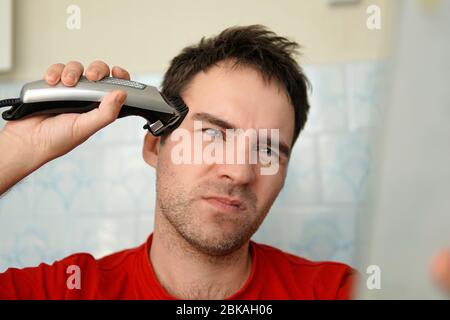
(150,149)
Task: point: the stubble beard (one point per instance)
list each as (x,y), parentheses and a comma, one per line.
(222,233)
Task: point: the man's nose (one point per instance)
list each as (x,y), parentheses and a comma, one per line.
(238,173)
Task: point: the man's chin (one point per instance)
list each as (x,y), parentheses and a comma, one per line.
(217,250)
(215,242)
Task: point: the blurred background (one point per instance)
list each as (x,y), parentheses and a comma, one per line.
(100,198)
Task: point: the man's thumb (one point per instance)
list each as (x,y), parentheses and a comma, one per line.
(108,110)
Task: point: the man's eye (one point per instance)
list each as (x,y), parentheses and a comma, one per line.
(216,133)
(268,155)
(266,150)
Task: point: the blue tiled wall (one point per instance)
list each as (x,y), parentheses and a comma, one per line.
(100,197)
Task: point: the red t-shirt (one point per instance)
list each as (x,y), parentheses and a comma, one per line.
(129,275)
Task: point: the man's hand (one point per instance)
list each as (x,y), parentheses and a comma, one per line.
(31,142)
(441,270)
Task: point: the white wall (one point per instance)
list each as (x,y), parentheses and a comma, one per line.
(143,35)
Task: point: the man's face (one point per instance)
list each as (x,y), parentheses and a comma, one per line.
(195,198)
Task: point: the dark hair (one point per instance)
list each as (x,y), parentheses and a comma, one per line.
(255,46)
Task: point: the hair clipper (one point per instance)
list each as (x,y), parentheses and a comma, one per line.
(38,97)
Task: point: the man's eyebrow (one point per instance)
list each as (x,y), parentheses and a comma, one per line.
(204,116)
(282,147)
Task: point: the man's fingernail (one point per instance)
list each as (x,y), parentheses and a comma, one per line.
(51,77)
(96,74)
(71,76)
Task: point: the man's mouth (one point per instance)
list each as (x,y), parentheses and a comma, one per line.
(225,203)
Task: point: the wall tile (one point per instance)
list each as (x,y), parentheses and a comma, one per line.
(102,236)
(364,83)
(322,234)
(144,227)
(18,201)
(301,186)
(344,166)
(327,99)
(70,184)
(128,182)
(28,241)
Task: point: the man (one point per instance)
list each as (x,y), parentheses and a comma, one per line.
(205,214)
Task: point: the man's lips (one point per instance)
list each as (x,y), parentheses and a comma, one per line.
(225,203)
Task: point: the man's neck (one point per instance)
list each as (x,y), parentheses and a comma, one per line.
(187,273)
